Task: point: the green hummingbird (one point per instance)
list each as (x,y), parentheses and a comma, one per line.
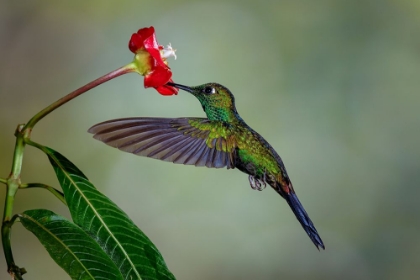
(223,139)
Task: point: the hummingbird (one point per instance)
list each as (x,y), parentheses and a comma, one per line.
(223,139)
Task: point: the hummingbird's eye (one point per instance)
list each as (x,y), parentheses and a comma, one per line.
(209,90)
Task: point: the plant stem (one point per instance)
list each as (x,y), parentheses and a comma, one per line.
(13,183)
(15,271)
(2,180)
(17,155)
(52,190)
(118,72)
(5,229)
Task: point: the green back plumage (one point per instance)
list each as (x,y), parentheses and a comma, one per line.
(250,145)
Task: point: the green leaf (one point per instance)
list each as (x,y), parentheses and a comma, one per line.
(69,246)
(130,249)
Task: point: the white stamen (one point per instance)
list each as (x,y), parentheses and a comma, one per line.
(168,51)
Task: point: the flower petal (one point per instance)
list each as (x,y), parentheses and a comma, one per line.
(135,43)
(158,77)
(146,32)
(151,45)
(167,90)
(137,39)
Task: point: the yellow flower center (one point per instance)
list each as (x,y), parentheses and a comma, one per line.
(144,62)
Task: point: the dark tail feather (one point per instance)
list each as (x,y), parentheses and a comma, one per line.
(304,220)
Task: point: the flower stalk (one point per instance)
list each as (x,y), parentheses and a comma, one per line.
(118,72)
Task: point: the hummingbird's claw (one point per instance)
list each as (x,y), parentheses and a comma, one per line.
(256,184)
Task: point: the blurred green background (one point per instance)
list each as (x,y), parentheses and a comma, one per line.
(332,85)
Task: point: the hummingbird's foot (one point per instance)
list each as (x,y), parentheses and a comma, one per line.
(256,184)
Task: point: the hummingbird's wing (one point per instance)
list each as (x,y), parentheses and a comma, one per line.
(192,141)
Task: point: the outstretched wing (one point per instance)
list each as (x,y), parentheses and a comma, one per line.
(192,141)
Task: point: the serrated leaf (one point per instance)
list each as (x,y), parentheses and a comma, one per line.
(130,249)
(69,246)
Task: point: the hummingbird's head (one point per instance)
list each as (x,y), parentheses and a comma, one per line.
(217,101)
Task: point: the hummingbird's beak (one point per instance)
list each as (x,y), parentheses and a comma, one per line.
(180,87)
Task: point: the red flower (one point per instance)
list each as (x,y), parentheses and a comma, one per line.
(151,62)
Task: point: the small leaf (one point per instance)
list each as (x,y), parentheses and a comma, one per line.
(130,249)
(69,246)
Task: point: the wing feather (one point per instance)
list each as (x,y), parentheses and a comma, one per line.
(202,159)
(182,140)
(186,152)
(195,155)
(173,150)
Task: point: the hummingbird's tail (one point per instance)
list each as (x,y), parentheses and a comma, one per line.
(304,220)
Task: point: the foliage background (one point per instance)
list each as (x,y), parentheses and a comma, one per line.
(332,85)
